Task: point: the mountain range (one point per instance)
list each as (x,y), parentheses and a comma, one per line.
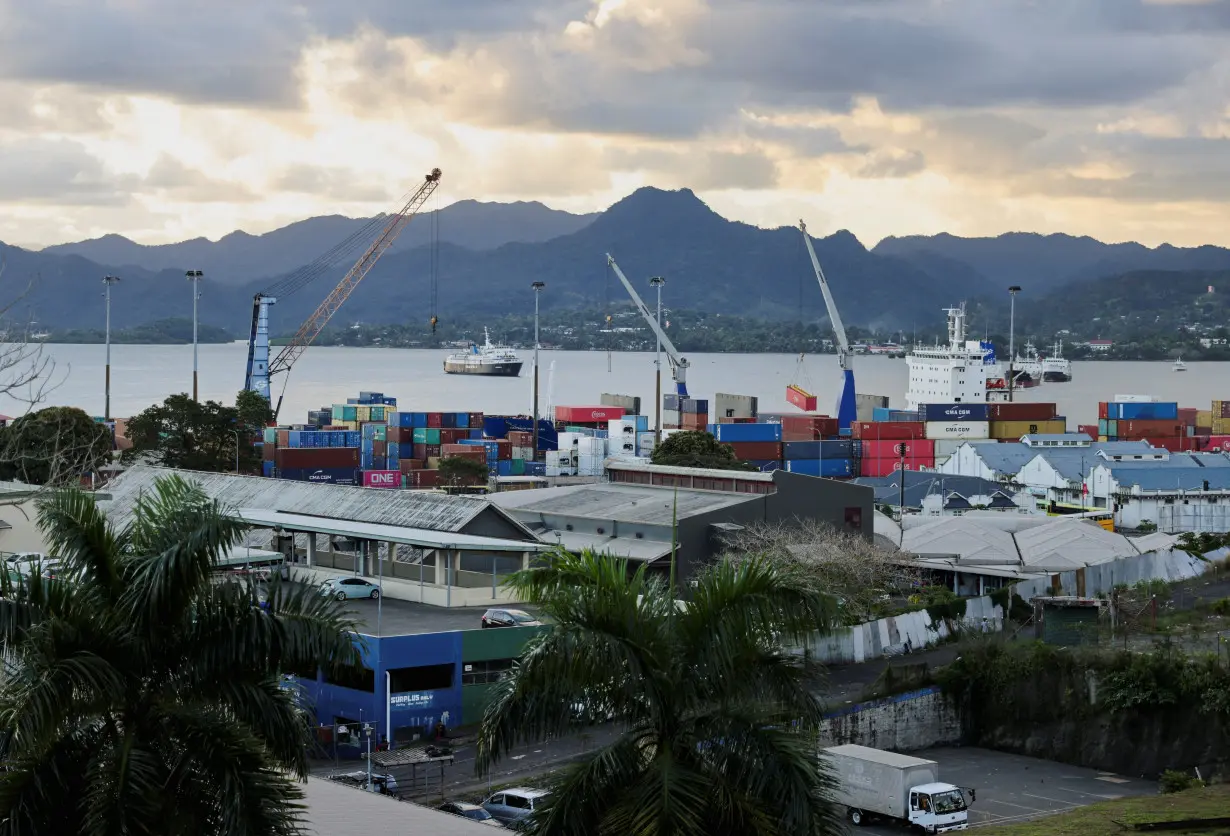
(489,253)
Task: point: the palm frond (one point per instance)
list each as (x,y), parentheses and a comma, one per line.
(77,532)
(581,798)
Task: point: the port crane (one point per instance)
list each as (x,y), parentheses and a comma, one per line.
(679,365)
(260,369)
(847,407)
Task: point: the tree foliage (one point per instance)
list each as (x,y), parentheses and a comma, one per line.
(182,433)
(141,695)
(697,449)
(53,446)
(718,718)
(456,471)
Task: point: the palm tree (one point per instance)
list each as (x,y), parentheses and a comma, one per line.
(143,697)
(718,719)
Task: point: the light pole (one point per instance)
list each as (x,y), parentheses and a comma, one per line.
(657,282)
(1012,292)
(107,282)
(236,434)
(538,286)
(194,277)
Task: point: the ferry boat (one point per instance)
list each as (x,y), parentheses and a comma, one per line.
(1179,365)
(1055,369)
(1027,368)
(963,371)
(487,359)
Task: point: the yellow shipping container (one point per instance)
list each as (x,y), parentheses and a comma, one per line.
(1012,430)
(1204,417)
(1221,426)
(1103,438)
(433,462)
(363,413)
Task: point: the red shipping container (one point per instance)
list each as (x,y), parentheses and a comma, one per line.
(1150,429)
(382,479)
(407,465)
(1218,443)
(422,478)
(694,421)
(465,451)
(887,449)
(808,427)
(435,419)
(452,436)
(587,414)
(324,457)
(1020,411)
(420,451)
(283,438)
(757,450)
(1187,416)
(380,448)
(1178,444)
(887,467)
(803,399)
(503,448)
(1103,410)
(432,450)
(1090,430)
(878,430)
(399,435)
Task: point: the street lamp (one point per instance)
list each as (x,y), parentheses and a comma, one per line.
(538,286)
(236,434)
(107,282)
(657,282)
(1012,292)
(194,277)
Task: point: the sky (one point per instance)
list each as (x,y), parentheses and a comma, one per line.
(164,120)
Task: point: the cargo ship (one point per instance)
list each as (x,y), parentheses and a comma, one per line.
(487,359)
(1055,369)
(961,372)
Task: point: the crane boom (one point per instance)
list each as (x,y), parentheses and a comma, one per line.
(315,323)
(679,365)
(839,329)
(847,402)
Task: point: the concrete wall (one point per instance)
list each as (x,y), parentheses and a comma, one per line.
(1169,565)
(902,723)
(24,535)
(892,636)
(424,593)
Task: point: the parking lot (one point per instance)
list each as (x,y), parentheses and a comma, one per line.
(1012,788)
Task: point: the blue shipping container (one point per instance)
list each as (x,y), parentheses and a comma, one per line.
(401,419)
(495,426)
(879,414)
(463,420)
(503,467)
(695,406)
(950,412)
(535,468)
(829,449)
(830,468)
(1143,411)
(267,469)
(670,402)
(418,419)
(325,475)
(746,432)
(808,467)
(476,434)
(766,465)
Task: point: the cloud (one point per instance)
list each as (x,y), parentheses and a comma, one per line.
(60,172)
(171,178)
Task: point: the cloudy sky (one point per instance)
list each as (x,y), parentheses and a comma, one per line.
(168,119)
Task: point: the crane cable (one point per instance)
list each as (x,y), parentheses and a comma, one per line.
(800,369)
(606,304)
(434,244)
(308,273)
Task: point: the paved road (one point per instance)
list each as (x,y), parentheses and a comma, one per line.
(1013,788)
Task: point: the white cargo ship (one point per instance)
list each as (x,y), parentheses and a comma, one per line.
(487,359)
(1056,369)
(963,371)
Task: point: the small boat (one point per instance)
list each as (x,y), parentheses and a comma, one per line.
(1179,366)
(488,359)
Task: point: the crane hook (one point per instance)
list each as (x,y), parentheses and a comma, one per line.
(434,320)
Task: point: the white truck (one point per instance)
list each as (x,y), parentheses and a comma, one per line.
(872,782)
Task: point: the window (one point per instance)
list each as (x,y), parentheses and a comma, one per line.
(854,518)
(486,672)
(421,678)
(517,802)
(363,679)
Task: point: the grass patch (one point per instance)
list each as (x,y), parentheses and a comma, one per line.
(1108,817)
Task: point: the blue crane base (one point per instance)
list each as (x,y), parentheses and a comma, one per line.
(847,404)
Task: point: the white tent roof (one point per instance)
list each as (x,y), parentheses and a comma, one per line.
(969,541)
(1071,544)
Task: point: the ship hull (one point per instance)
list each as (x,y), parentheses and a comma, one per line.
(505,369)
(1056,377)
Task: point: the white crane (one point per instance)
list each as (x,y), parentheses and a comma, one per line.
(679,365)
(847,407)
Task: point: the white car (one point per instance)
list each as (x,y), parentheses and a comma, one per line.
(344,588)
(514,804)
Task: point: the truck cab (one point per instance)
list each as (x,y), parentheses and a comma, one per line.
(938,808)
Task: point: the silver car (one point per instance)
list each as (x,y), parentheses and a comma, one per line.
(344,588)
(513,804)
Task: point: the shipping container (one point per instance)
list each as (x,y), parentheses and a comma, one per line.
(267,452)
(1090,430)
(462,419)
(960,429)
(320,475)
(734,406)
(1019,411)
(695,406)
(747,432)
(828,449)
(1204,418)
(587,414)
(271,435)
(671,402)
(1218,443)
(1175,444)
(670,418)
(426,435)
(914,448)
(422,478)
(631,404)
(1136,429)
(1187,416)
(887,467)
(267,469)
(748,450)
(1013,430)
(830,468)
(382,478)
(886,414)
(797,396)
(694,421)
(807,427)
(327,457)
(1136,411)
(948,413)
(407,465)
(887,430)
(766,465)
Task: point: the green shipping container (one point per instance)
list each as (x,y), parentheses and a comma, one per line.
(426,435)
(382,433)
(271,435)
(378,413)
(1112,428)
(518,467)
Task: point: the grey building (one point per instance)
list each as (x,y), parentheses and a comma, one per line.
(633,519)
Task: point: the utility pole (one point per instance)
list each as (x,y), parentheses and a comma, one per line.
(107,282)
(901,451)
(657,282)
(1012,292)
(194,278)
(538,286)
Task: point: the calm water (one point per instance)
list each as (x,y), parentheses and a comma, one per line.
(142,375)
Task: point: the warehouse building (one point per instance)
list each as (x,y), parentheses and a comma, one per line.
(1192,498)
(939,494)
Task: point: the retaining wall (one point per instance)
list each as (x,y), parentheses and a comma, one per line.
(892,636)
(903,723)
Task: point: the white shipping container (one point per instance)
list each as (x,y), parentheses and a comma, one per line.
(947,446)
(620,427)
(670,416)
(957,429)
(1133,399)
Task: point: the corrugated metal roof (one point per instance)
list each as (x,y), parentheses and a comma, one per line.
(412,509)
(641,551)
(382,533)
(702,472)
(618,501)
(1058,437)
(1176,479)
(921,484)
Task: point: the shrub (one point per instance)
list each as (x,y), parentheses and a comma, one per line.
(1174,780)
(1221,607)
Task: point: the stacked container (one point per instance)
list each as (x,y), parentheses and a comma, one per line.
(956,421)
(884,456)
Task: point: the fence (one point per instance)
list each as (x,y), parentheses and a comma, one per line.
(1091,581)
